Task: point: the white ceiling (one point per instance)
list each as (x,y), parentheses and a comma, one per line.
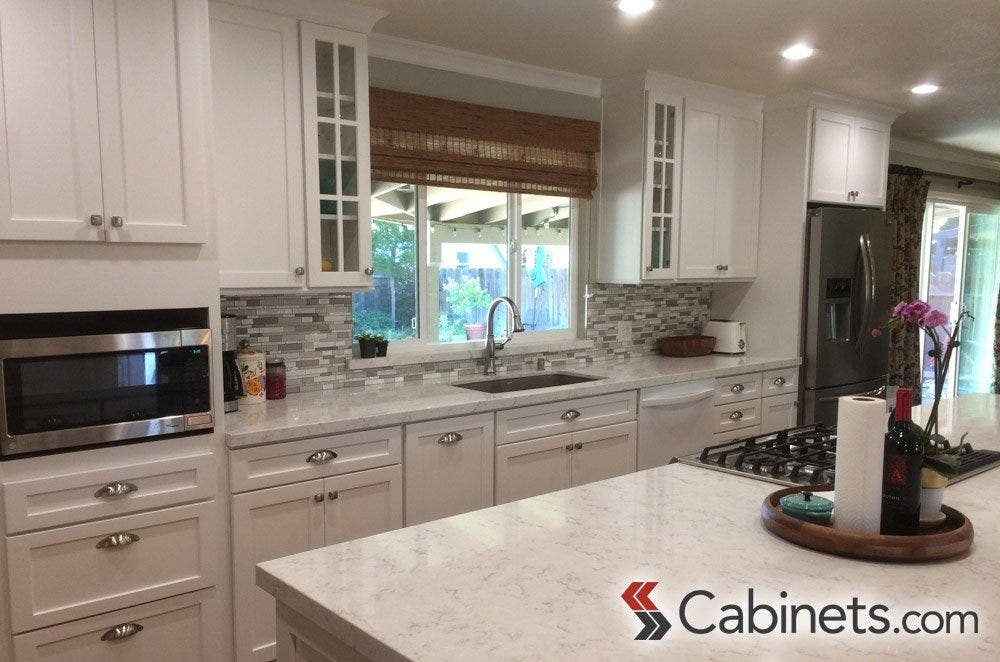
(871,49)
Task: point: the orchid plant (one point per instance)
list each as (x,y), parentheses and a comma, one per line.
(943,344)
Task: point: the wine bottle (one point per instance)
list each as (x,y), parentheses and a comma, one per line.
(904,450)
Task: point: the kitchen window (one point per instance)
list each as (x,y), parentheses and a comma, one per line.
(442,254)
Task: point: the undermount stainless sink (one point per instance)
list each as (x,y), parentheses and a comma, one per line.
(527,383)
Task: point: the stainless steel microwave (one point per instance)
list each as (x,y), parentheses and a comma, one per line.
(63,392)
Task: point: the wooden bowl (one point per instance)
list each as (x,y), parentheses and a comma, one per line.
(683,346)
(952,538)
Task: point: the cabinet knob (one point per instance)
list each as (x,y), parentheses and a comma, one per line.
(96,220)
(649,268)
(450,438)
(569,447)
(322,456)
(570,415)
(738,388)
(117,221)
(318,497)
(736,415)
(578,445)
(333,495)
(115,489)
(300,271)
(122,539)
(123,631)
(779,381)
(369,271)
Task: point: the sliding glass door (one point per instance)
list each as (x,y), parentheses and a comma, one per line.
(960,270)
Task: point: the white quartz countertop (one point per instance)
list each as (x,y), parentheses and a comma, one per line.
(328,412)
(541,579)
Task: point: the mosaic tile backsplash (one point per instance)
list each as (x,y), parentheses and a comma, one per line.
(312,333)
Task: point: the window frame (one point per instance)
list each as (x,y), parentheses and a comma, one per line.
(515,240)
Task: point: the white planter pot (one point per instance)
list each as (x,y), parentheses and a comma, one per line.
(930,503)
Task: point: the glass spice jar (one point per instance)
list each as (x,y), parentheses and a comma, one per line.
(276,381)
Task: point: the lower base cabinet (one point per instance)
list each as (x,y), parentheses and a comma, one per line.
(779,413)
(280,521)
(529,468)
(178,628)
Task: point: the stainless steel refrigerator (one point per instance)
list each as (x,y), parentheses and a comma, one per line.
(849,271)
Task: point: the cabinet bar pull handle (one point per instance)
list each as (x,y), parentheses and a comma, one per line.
(115,489)
(780,381)
(123,631)
(121,539)
(450,438)
(578,445)
(322,456)
(736,415)
(333,495)
(570,415)
(738,388)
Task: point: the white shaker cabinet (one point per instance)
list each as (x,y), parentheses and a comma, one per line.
(849,160)
(448,467)
(720,191)
(280,521)
(257,117)
(103,125)
(779,412)
(603,453)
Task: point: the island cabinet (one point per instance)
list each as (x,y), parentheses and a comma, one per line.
(581,446)
(680,188)
(331,503)
(291,152)
(104,122)
(448,467)
(849,159)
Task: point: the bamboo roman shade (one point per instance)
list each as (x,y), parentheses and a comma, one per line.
(425,140)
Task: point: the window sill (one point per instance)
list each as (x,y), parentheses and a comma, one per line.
(425,355)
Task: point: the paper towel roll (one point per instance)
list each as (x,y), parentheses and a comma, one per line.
(861,428)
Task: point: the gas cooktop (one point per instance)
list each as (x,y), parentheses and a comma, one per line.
(805,456)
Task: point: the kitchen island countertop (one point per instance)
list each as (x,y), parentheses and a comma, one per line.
(542,578)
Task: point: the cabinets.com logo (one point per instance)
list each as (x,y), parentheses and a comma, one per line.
(755,616)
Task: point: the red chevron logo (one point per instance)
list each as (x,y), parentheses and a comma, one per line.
(636,596)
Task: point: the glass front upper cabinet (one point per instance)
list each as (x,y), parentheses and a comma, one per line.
(662,179)
(337,161)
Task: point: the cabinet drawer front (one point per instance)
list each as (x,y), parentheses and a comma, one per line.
(737,389)
(737,416)
(565,416)
(85,569)
(457,452)
(89,495)
(305,459)
(781,381)
(181,628)
(721,437)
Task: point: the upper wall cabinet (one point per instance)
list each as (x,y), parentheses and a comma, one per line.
(103,120)
(680,181)
(257,109)
(849,160)
(337,161)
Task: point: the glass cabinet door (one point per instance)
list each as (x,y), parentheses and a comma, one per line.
(337,170)
(661,187)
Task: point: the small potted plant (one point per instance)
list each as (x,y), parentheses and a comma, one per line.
(466,296)
(381,346)
(940,461)
(367,344)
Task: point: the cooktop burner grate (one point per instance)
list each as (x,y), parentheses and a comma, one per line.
(806,456)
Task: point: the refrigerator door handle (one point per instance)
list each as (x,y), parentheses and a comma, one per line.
(868,268)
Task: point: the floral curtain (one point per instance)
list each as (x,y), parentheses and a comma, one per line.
(905,201)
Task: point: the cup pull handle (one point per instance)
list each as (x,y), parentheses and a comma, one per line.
(115,489)
(322,456)
(780,381)
(450,438)
(571,415)
(736,415)
(115,540)
(738,388)
(123,631)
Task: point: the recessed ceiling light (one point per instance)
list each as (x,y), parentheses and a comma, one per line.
(799,51)
(925,88)
(634,7)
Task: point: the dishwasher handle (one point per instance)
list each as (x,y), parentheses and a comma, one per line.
(672,401)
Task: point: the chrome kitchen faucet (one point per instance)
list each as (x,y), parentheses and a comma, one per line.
(491,344)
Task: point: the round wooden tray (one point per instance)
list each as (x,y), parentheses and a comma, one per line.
(953,537)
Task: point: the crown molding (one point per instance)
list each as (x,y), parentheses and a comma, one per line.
(387,47)
(835,102)
(948,154)
(334,13)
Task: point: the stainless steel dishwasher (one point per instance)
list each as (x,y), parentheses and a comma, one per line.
(674,420)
